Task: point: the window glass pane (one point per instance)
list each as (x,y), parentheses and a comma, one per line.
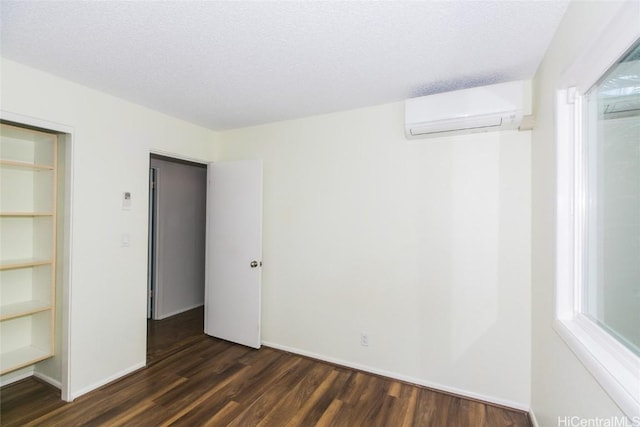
(612,260)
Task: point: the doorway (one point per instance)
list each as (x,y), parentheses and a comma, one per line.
(186,199)
(177,229)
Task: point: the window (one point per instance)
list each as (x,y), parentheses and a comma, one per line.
(611,236)
(598,208)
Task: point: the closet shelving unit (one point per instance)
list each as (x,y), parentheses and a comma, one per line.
(28,160)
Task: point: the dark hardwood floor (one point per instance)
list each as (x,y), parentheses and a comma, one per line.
(168,336)
(195,380)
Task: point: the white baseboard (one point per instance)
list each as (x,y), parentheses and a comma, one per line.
(532,417)
(418,381)
(46,378)
(16,376)
(26,373)
(75,394)
(182,310)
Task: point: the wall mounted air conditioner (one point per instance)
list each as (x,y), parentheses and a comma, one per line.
(481,109)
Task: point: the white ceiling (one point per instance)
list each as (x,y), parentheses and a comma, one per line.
(239,63)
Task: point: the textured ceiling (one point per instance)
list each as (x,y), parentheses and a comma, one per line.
(238,63)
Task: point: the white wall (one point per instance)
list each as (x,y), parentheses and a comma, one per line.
(112,139)
(423,245)
(561,386)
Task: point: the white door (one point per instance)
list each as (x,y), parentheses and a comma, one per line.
(234,251)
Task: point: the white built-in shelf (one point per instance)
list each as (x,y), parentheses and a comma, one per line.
(23,263)
(28,220)
(24,165)
(11,311)
(21,357)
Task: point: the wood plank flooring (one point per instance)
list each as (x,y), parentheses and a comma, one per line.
(195,380)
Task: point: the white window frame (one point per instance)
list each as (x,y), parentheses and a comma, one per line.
(614,366)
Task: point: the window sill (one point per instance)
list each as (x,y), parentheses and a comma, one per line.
(614,366)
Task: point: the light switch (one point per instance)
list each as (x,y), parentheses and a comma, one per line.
(124,240)
(126,201)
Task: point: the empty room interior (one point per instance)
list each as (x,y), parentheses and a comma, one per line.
(320,213)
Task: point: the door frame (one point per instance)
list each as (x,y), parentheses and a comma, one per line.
(152,251)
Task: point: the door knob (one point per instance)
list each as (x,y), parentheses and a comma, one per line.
(254,264)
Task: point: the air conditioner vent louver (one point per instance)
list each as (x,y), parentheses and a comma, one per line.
(483,109)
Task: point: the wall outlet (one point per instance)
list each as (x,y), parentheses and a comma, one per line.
(364,339)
